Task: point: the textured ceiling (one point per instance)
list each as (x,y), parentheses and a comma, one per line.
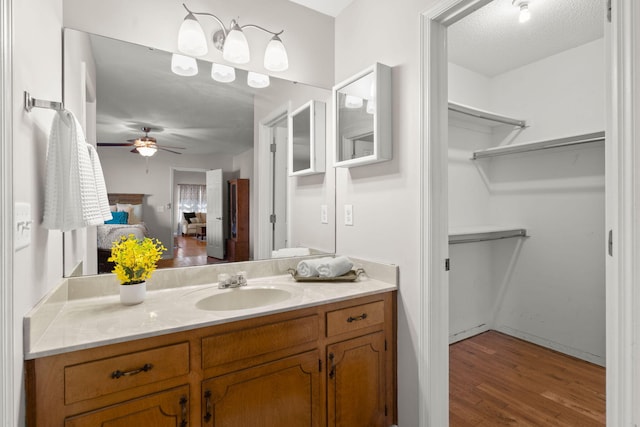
(491,41)
(328,7)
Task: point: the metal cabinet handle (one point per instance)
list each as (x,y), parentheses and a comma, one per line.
(207,404)
(354,319)
(183,405)
(118,373)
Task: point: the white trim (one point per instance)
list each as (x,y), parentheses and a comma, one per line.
(7,390)
(623,163)
(263,179)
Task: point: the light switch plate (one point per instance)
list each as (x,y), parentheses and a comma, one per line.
(348,214)
(22,225)
(324,216)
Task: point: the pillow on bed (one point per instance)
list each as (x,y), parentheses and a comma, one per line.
(134,211)
(113,208)
(118,218)
(188,216)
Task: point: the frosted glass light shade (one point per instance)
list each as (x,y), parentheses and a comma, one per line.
(236,47)
(371,106)
(184,65)
(191,38)
(275,57)
(257,80)
(147,151)
(351,101)
(525,15)
(222,73)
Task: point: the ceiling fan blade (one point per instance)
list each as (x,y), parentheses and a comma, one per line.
(135,150)
(171,151)
(175,148)
(117,144)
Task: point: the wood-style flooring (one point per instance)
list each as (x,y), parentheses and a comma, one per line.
(187,252)
(497,380)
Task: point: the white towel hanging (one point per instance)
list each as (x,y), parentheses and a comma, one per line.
(71,199)
(101,188)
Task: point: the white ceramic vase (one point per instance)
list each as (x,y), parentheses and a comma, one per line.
(133,294)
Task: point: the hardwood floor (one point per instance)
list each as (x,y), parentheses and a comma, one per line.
(188,251)
(496,380)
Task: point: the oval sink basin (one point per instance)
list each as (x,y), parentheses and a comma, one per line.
(243,298)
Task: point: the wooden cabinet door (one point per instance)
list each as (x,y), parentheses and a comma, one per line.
(165,409)
(282,393)
(356,382)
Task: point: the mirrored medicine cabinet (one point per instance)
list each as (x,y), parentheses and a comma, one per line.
(362,106)
(307,137)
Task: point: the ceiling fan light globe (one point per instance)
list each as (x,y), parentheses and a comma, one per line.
(222,73)
(191,38)
(147,151)
(275,56)
(236,47)
(184,65)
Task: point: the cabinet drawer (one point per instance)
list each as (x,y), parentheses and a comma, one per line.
(94,379)
(252,342)
(354,318)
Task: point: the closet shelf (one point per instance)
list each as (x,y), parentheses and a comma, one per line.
(484,233)
(486,115)
(538,145)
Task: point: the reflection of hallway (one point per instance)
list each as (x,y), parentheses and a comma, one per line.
(188,251)
(496,379)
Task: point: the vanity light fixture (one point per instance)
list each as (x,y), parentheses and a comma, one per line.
(184,65)
(232,42)
(222,73)
(371,106)
(523,5)
(257,80)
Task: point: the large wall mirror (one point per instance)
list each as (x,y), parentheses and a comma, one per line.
(122,92)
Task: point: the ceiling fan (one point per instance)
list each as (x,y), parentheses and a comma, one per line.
(145,145)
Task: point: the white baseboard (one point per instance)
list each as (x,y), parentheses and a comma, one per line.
(463,335)
(580,354)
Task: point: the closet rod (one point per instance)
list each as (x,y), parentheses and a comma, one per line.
(487,115)
(540,145)
(30,103)
(472,237)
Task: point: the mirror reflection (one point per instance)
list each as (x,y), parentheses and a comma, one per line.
(301,139)
(169,147)
(356,118)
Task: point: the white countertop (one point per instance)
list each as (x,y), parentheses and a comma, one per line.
(91,322)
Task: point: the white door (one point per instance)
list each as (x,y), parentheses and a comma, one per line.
(215,216)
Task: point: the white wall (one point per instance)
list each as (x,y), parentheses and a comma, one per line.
(386,196)
(548,288)
(37,67)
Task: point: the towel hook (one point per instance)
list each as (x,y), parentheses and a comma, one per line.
(31,103)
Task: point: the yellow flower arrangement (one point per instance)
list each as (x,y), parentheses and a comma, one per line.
(135,260)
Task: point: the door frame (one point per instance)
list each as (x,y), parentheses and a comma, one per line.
(263,173)
(7,330)
(623,193)
(174,202)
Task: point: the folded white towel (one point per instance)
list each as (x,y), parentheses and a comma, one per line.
(70,198)
(309,267)
(334,267)
(101,188)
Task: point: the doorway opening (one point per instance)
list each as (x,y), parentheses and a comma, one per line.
(496,176)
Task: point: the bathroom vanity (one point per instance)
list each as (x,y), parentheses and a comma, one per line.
(324,355)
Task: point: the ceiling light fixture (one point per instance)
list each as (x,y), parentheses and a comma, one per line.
(232,42)
(523,5)
(147,150)
(352,101)
(146,145)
